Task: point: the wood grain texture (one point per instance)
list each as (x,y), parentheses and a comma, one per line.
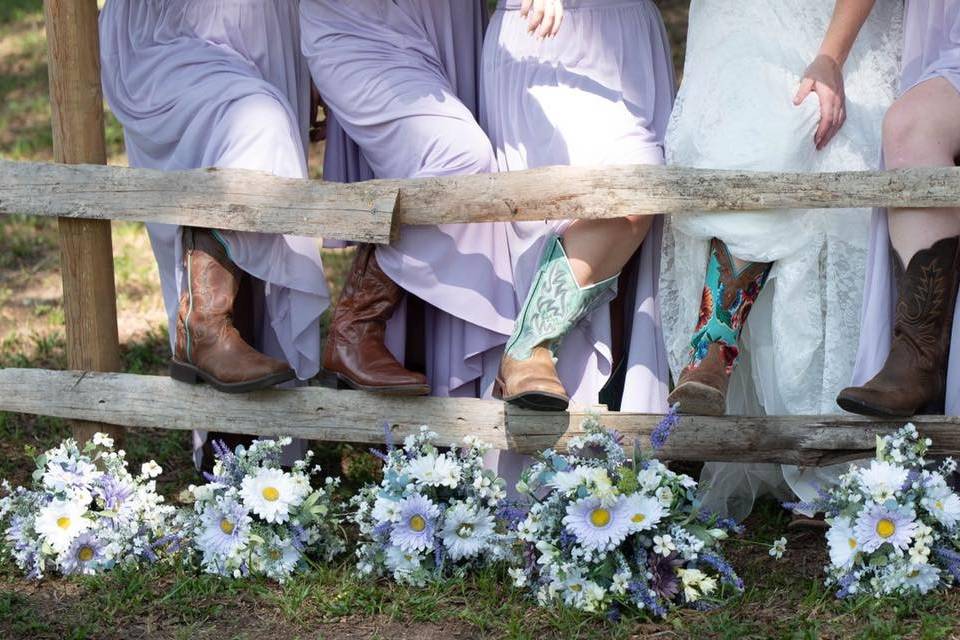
(234,199)
(364,211)
(350,416)
(86,249)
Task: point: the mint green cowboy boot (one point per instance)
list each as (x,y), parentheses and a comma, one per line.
(556,303)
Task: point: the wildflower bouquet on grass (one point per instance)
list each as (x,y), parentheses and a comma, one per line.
(85,513)
(252,518)
(893,524)
(605,533)
(433,514)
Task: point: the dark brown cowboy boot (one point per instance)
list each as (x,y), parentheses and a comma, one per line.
(355,348)
(208,346)
(914,375)
(728,297)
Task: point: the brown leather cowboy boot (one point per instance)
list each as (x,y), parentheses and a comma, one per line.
(355,348)
(208,346)
(914,375)
(728,297)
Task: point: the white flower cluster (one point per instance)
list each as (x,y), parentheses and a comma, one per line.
(86,513)
(433,514)
(893,524)
(254,518)
(604,533)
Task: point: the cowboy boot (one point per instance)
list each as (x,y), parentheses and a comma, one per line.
(914,375)
(556,303)
(355,349)
(208,346)
(728,296)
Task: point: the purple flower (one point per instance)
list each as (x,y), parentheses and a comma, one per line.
(511,512)
(951,559)
(114,492)
(647,599)
(84,555)
(418,521)
(663,430)
(724,569)
(664,581)
(845,583)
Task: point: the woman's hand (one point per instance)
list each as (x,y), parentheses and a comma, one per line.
(543,16)
(824,77)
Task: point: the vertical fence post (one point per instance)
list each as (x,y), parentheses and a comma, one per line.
(86,249)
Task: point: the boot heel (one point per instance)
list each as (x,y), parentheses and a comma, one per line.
(498,389)
(183,373)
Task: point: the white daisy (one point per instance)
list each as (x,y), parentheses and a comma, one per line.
(922,577)
(644,512)
(944,505)
(402,562)
(598,527)
(150,469)
(60,522)
(102,440)
(466,531)
(435,471)
(882,480)
(842,542)
(386,510)
(270,494)
(277,557)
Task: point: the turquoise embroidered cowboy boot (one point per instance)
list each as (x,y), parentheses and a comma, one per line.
(555,304)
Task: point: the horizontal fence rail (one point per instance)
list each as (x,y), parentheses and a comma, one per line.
(350,416)
(372,211)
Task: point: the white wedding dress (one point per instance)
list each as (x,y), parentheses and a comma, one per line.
(735,111)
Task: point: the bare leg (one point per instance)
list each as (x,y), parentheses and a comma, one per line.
(599,249)
(922,129)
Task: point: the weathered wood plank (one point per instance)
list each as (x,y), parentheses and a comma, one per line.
(86,250)
(251,201)
(349,416)
(222,199)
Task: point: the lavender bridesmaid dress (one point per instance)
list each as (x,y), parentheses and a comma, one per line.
(400,83)
(598,93)
(222,83)
(931,50)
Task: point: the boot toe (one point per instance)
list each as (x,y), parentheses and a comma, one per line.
(697,398)
(869,402)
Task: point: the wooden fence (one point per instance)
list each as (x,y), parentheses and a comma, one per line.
(85,197)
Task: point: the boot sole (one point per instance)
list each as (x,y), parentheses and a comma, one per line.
(184,372)
(532,400)
(862,408)
(696,398)
(344,382)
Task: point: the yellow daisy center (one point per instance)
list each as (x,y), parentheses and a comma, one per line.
(886,528)
(85,554)
(274,554)
(63,522)
(638,518)
(600,517)
(417,523)
(852,542)
(226,526)
(575,588)
(270,494)
(938,504)
(465,530)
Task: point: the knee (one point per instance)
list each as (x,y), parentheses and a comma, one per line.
(911,140)
(261,117)
(464,151)
(638,226)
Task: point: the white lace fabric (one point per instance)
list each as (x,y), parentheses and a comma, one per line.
(735,110)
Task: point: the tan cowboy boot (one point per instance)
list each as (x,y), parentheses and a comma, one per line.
(355,349)
(728,297)
(914,376)
(208,346)
(556,303)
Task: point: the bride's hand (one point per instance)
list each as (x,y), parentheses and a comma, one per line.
(825,78)
(543,16)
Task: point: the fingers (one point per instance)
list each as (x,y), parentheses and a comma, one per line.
(839,117)
(535,15)
(806,86)
(525,7)
(546,25)
(557,18)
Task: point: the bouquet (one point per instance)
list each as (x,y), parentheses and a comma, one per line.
(603,533)
(85,513)
(434,513)
(254,518)
(894,523)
